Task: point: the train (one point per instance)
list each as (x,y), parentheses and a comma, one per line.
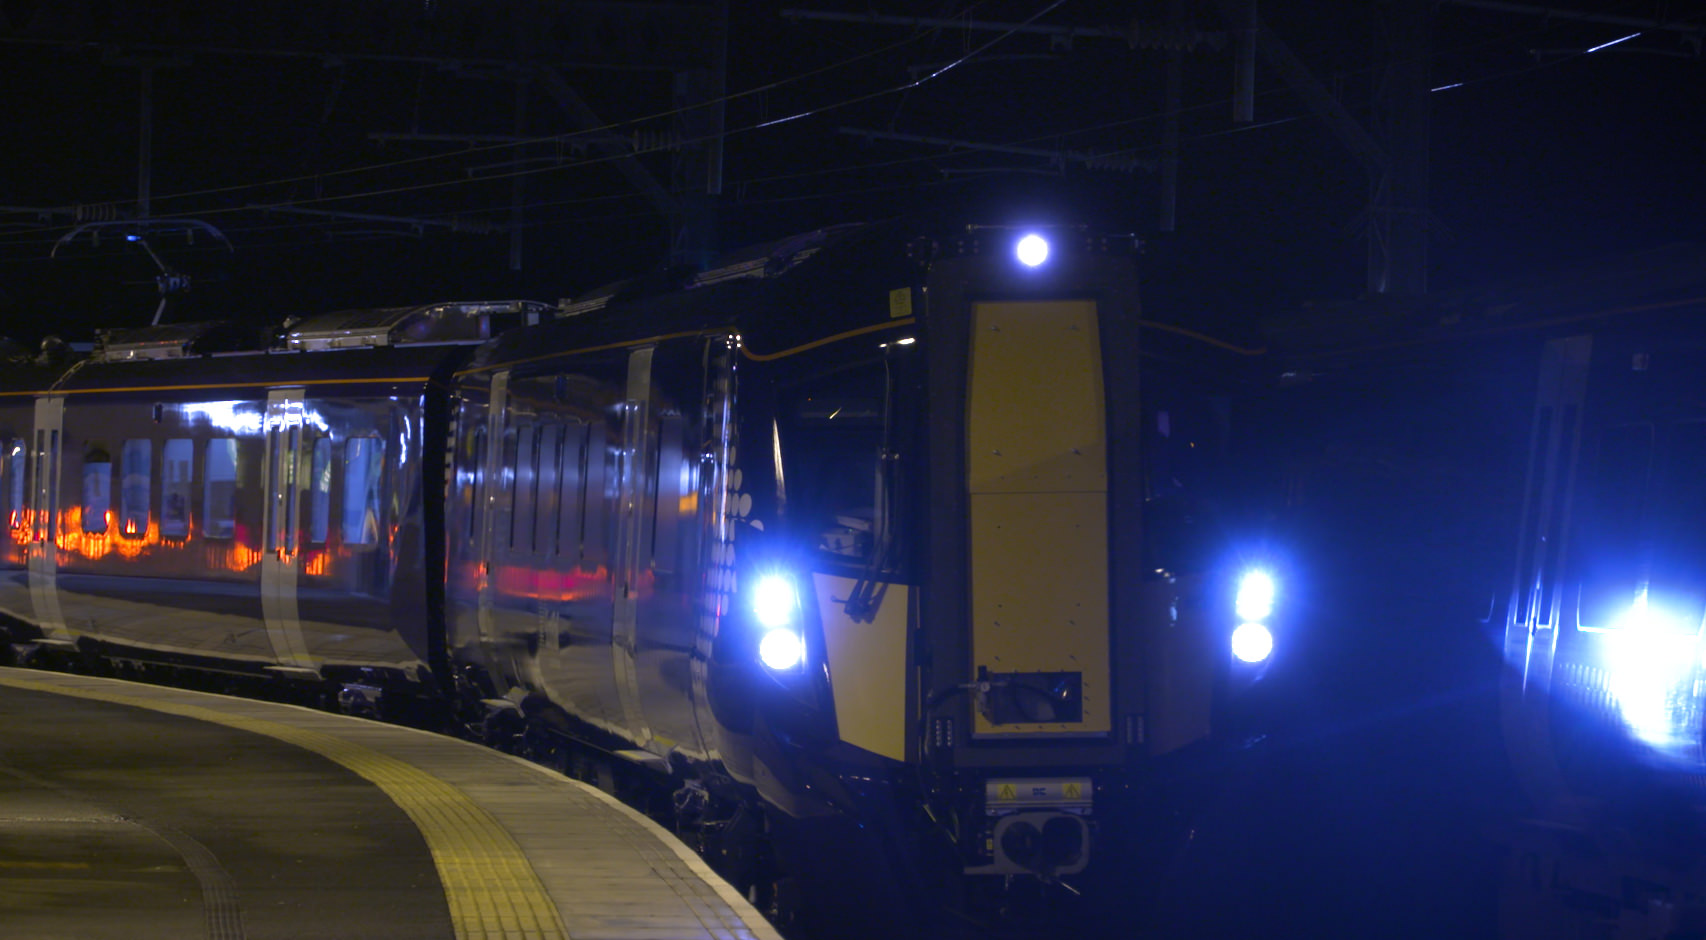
(1538,445)
(896,539)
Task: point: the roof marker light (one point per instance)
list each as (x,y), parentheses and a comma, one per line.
(1032,250)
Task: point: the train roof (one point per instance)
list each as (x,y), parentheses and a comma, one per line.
(780,296)
(776,295)
(384,347)
(1669,281)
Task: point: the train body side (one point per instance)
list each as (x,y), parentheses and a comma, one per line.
(583,512)
(262,513)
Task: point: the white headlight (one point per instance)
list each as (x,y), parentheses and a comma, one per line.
(1255,596)
(1252,643)
(1032,250)
(773,601)
(781,649)
(1650,658)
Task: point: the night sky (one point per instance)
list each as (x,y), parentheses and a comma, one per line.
(269,117)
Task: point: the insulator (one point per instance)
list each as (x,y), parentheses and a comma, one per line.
(98,212)
(1172,38)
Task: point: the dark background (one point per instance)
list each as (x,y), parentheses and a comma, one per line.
(334,154)
(327,155)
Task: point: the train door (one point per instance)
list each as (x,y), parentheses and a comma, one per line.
(281,559)
(633,535)
(1036,456)
(1537,604)
(44,503)
(490,504)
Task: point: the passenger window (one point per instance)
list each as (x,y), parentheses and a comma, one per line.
(550,506)
(175,462)
(572,493)
(526,483)
(363,462)
(594,528)
(219,493)
(476,483)
(320,492)
(15,463)
(97,490)
(136,461)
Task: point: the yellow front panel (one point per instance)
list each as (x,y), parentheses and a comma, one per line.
(1040,596)
(867,665)
(1035,418)
(1037,481)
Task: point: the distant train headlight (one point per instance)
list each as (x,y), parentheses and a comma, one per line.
(1255,599)
(1650,662)
(781,649)
(1252,642)
(774,601)
(1032,250)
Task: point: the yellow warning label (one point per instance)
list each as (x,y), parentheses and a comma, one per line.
(900,303)
(1073,790)
(1007,792)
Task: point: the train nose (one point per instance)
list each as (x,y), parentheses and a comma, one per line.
(1043,843)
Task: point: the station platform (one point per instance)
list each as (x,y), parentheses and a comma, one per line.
(135,811)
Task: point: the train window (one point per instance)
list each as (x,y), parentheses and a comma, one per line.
(16,461)
(175,462)
(97,490)
(476,487)
(572,492)
(219,489)
(320,492)
(136,483)
(830,436)
(595,534)
(550,504)
(1637,535)
(521,520)
(674,487)
(363,461)
(1186,441)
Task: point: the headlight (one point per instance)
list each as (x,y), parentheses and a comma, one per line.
(781,649)
(1651,657)
(1032,250)
(776,607)
(774,601)
(1255,600)
(1252,642)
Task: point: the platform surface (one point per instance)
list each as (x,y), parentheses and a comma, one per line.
(136,811)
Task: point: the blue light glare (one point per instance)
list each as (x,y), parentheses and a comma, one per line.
(1651,661)
(1032,250)
(1255,598)
(1252,643)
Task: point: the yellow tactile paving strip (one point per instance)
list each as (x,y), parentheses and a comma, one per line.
(492,889)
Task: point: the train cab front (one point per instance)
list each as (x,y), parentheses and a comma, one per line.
(1078,630)
(964,610)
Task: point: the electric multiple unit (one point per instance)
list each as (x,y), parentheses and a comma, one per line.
(864,525)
